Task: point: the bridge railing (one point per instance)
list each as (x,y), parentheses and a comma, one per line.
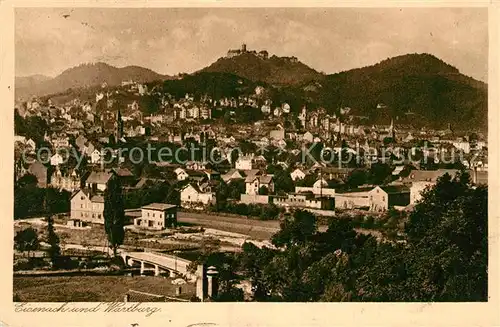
(173,257)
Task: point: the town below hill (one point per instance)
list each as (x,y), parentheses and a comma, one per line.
(414,89)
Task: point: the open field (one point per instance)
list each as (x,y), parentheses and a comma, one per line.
(258,229)
(92,288)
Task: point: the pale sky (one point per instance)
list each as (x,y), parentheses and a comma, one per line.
(170,40)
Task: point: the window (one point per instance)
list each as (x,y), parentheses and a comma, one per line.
(153,215)
(161,215)
(93,215)
(99,216)
(81,214)
(81,205)
(148,214)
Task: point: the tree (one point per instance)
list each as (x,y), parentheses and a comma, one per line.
(283,181)
(236,188)
(295,230)
(173,196)
(53,240)
(234,157)
(27,180)
(356,178)
(307,181)
(114,214)
(448,242)
(26,240)
(378,173)
(263,190)
(221,195)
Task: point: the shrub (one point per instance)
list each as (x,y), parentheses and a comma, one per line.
(117,263)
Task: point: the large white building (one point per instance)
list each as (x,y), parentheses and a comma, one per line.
(157,216)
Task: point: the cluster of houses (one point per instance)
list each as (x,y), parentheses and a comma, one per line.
(87,128)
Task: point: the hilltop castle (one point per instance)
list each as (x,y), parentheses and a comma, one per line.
(233,53)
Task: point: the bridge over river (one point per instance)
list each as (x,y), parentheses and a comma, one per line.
(175,266)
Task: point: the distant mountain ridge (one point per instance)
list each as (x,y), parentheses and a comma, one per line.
(416,88)
(84,75)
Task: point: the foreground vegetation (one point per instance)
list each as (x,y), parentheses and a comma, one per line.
(444,256)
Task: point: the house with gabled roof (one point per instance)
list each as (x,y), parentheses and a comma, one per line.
(233,174)
(253,183)
(192,196)
(157,216)
(298,174)
(420,180)
(384,197)
(251,162)
(181,174)
(87,207)
(126,177)
(98,180)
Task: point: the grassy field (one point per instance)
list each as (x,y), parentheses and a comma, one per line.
(257,229)
(92,288)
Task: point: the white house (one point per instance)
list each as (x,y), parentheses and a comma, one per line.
(297,174)
(192,196)
(95,156)
(308,137)
(98,180)
(157,216)
(381,198)
(86,207)
(254,183)
(181,174)
(56,159)
(31,144)
(250,162)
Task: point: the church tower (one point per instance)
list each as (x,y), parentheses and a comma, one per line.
(392,131)
(119,126)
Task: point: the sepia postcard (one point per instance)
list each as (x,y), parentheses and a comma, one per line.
(216,163)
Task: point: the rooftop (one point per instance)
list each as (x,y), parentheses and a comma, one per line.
(97,198)
(98,177)
(158,206)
